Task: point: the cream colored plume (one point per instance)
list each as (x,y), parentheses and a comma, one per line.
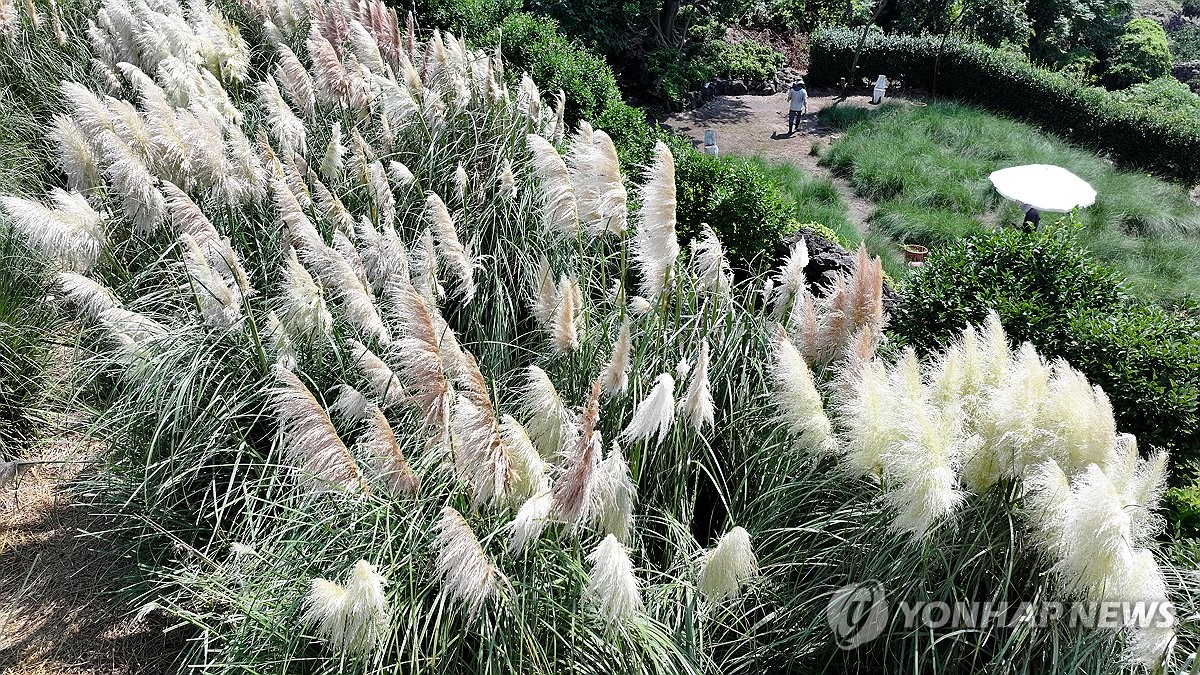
(655,414)
(74,154)
(616,493)
(308,437)
(567,315)
(612,587)
(559,213)
(599,186)
(382,381)
(530,472)
(417,354)
(544,301)
(71,233)
(548,420)
(295,81)
(353,617)
(713,275)
(655,243)
(576,489)
(796,397)
(89,296)
(220,306)
(449,247)
(302,308)
(616,371)
(697,401)
(467,573)
(530,521)
(727,567)
(286,127)
(332,162)
(388,461)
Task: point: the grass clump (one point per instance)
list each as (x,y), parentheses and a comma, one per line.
(927,167)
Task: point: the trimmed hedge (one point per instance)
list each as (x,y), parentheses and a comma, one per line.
(1150,138)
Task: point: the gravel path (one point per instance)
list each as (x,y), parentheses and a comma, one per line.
(757,125)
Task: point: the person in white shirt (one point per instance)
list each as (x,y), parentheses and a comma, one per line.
(798,98)
(881,86)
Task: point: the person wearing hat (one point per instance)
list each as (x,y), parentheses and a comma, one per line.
(798,98)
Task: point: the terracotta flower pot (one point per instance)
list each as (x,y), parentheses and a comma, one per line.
(914,254)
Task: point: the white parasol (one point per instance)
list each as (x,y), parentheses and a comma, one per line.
(1044,186)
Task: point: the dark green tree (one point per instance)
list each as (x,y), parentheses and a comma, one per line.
(1141,54)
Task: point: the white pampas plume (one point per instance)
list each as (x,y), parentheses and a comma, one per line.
(529,101)
(90,297)
(697,402)
(616,494)
(548,420)
(188,219)
(383,254)
(711,268)
(508,183)
(73,153)
(307,435)
(655,244)
(382,381)
(612,586)
(332,164)
(655,414)
(559,213)
(331,82)
(599,186)
(350,404)
(337,273)
(281,342)
(366,49)
(10,22)
(423,266)
(790,282)
(302,308)
(566,315)
(219,305)
(639,306)
(480,457)
(418,355)
(287,128)
(400,174)
(530,476)
(576,489)
(467,574)
(796,397)
(389,462)
(331,206)
(133,183)
(352,618)
(71,233)
(616,371)
(530,522)
(544,302)
(138,327)
(383,200)
(449,247)
(725,568)
(87,109)
(301,233)
(295,81)
(866,415)
(462,183)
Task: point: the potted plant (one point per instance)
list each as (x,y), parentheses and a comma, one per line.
(914,254)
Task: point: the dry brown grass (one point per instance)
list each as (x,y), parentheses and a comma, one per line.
(58,610)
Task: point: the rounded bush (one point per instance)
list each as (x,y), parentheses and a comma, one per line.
(1048,291)
(1141,54)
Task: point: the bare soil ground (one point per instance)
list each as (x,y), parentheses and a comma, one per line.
(58,615)
(757,125)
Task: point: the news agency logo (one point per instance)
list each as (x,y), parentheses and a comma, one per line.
(859,613)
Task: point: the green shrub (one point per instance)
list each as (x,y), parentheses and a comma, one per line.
(748,210)
(676,73)
(1185,42)
(748,60)
(1050,292)
(1168,92)
(468,18)
(534,45)
(1151,138)
(1141,54)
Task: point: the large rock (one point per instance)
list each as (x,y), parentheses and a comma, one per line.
(827,259)
(737,88)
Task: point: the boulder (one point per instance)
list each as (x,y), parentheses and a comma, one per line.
(827,259)
(737,88)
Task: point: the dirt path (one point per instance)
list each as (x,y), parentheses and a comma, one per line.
(757,125)
(57,612)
